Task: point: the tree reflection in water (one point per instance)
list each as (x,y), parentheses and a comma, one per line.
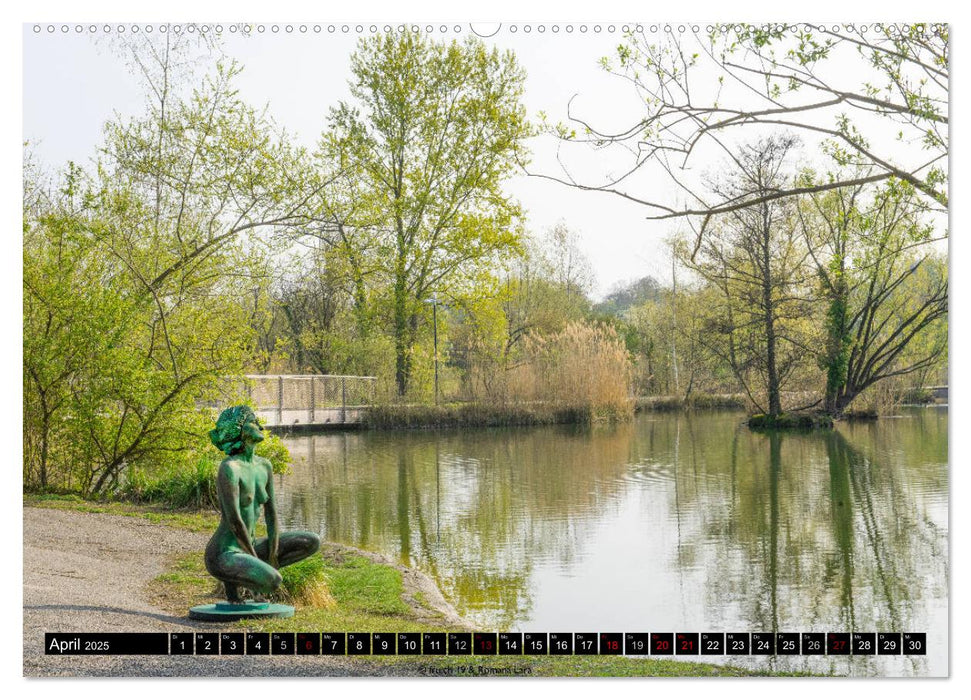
(718,528)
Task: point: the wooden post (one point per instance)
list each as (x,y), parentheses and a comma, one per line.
(343,399)
(313,400)
(279,400)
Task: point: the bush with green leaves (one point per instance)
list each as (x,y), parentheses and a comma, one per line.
(138,276)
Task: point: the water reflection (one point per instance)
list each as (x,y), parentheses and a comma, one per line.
(671,523)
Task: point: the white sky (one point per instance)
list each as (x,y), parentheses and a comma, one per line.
(73,83)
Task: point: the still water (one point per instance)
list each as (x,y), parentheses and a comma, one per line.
(671,523)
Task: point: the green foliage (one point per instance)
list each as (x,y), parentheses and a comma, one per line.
(836,357)
(861,300)
(790,421)
(883,290)
(626,296)
(190,483)
(274,449)
(191,486)
(431,133)
(133,278)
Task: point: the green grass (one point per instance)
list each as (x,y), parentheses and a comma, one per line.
(194,520)
(476,415)
(371,588)
(183,486)
(306,583)
(368,598)
(187,577)
(790,421)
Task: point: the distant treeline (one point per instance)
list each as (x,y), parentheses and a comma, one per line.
(203,244)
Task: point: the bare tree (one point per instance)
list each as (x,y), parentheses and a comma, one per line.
(754,256)
(707,89)
(568,266)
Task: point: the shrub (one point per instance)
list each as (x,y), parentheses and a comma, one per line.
(191,483)
(790,421)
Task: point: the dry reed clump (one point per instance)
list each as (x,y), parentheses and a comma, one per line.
(581,374)
(306,584)
(583,369)
(316,595)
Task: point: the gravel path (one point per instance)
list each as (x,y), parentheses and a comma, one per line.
(90,572)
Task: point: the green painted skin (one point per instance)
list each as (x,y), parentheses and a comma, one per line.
(244,484)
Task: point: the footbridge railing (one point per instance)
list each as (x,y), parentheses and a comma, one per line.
(307,400)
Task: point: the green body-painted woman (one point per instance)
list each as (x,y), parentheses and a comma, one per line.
(244,484)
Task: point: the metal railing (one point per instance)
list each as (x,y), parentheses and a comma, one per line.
(310,399)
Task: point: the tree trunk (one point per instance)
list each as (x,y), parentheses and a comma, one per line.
(772,372)
(843,400)
(836,359)
(836,356)
(44,447)
(109,471)
(402,369)
(775,402)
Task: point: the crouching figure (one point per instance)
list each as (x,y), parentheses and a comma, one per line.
(244,484)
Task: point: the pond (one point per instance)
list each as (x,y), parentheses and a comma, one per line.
(670,523)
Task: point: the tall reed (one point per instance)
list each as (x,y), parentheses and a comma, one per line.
(584,368)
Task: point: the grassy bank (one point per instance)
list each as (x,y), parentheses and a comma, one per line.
(192,520)
(370,597)
(790,421)
(187,491)
(473,415)
(368,594)
(364,596)
(469,415)
(699,402)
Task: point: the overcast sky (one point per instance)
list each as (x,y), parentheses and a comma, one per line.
(73,83)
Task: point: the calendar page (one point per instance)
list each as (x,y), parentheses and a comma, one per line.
(521,349)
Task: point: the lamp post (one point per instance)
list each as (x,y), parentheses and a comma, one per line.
(434,302)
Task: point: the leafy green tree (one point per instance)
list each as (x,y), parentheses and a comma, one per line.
(884,289)
(68,315)
(137,276)
(546,287)
(627,295)
(432,131)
